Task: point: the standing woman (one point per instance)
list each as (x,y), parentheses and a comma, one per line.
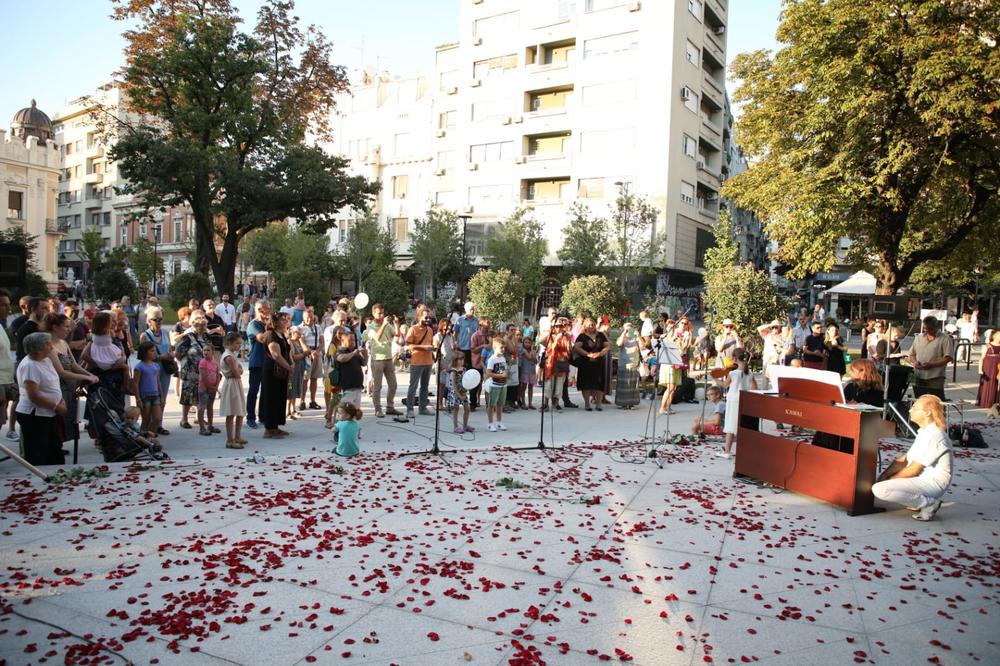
(71,375)
(591,347)
(160,339)
(739,379)
(179,329)
(627,390)
(274,376)
(41,400)
(989,372)
(444,341)
(189,351)
(835,350)
(604,327)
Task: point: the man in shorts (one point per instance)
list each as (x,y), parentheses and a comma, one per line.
(312,337)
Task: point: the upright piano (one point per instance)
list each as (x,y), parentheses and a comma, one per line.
(837,465)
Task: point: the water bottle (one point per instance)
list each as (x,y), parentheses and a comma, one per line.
(258,457)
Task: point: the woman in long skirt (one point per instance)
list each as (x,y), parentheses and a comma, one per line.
(627,390)
(275,375)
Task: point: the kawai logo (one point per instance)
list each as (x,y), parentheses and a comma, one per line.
(793,412)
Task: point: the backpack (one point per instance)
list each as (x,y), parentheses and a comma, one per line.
(967,438)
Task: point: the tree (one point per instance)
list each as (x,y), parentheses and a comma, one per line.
(634,247)
(879,122)
(264,249)
(368,249)
(518,245)
(598,295)
(585,243)
(436,245)
(223,118)
(739,292)
(92,248)
(387,288)
(498,294)
(33,285)
(112,283)
(188,285)
(145,262)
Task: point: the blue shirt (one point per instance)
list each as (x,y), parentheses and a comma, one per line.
(347,437)
(464,329)
(149,378)
(254,328)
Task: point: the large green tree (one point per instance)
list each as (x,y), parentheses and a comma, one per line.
(498,294)
(634,247)
(879,121)
(518,245)
(585,243)
(368,249)
(436,244)
(224,116)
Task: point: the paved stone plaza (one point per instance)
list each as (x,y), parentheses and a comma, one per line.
(425,560)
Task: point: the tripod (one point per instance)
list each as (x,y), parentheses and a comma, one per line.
(541,446)
(435,449)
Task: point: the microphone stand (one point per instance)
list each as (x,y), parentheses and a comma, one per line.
(705,375)
(541,446)
(435,449)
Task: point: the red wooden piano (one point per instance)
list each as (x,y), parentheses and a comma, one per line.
(838,466)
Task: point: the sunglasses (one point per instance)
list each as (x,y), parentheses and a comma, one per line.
(156,319)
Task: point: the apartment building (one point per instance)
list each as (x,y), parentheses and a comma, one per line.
(29,172)
(88,198)
(545,102)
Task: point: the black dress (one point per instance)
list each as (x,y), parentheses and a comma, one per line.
(835,361)
(590,375)
(273,391)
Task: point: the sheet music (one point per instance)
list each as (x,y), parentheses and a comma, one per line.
(823,376)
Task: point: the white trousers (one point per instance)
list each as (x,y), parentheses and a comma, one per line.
(914,493)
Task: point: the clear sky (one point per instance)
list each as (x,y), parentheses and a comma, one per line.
(58,50)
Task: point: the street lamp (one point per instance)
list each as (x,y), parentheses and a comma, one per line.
(623,193)
(465,222)
(156,241)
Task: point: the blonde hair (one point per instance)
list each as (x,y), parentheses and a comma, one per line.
(931,406)
(132,412)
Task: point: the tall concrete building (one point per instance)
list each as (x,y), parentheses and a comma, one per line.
(545,102)
(88,198)
(29,173)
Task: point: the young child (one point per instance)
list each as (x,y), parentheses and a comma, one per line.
(739,379)
(712,425)
(146,386)
(348,428)
(495,369)
(232,402)
(208,385)
(526,373)
(298,352)
(144,437)
(457,396)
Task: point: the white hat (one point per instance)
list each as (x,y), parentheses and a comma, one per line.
(727,322)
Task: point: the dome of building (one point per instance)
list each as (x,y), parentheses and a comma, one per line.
(32,121)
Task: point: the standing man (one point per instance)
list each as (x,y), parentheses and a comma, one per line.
(227,312)
(819,314)
(801,331)
(930,355)
(968,331)
(132,315)
(256,330)
(379,338)
(37,309)
(216,327)
(420,342)
(465,328)
(312,337)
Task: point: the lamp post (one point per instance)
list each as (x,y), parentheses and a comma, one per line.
(156,265)
(465,223)
(623,193)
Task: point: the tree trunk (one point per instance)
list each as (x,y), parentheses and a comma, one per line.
(225,268)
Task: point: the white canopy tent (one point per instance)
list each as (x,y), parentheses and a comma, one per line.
(861,283)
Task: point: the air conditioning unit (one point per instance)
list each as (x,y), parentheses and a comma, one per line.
(685,94)
(518,119)
(467,210)
(520,159)
(473,166)
(475,83)
(440,133)
(701,164)
(634,6)
(721,30)
(452,90)
(713,196)
(477,41)
(507,120)
(439,172)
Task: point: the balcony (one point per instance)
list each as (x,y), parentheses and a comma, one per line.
(708,208)
(710,132)
(53,227)
(718,9)
(708,177)
(94,178)
(93,150)
(541,192)
(714,48)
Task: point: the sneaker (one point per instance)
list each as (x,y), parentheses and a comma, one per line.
(723,454)
(459,430)
(214,429)
(392,411)
(501,426)
(572,405)
(492,427)
(379,413)
(251,424)
(13,436)
(928,511)
(313,405)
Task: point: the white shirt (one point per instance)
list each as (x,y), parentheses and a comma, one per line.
(932,450)
(227,312)
(6,360)
(800,333)
(44,375)
(647,328)
(968,330)
(310,334)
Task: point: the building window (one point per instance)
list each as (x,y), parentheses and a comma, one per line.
(491,152)
(399,186)
(399,231)
(447,119)
(494,27)
(76,221)
(692,53)
(177,231)
(611,45)
(690,146)
(95,219)
(549,100)
(69,148)
(695,7)
(15,205)
(690,99)
(343,230)
(704,240)
(124,236)
(687,193)
(444,199)
(496,66)
(445,159)
(401,144)
(546,190)
(107,219)
(590,188)
(448,79)
(597,5)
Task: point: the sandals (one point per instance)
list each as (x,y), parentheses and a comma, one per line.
(185,425)
(234,444)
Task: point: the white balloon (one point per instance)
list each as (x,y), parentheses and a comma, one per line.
(470,379)
(361,301)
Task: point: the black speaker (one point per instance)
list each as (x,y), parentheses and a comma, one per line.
(13,263)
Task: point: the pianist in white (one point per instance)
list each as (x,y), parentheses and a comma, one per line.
(918,479)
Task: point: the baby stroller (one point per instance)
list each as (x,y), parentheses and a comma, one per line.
(107,425)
